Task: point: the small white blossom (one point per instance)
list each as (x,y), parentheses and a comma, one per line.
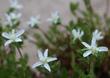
(55,18)
(12,36)
(77,34)
(12,18)
(15,5)
(97,35)
(34,21)
(93,49)
(43,60)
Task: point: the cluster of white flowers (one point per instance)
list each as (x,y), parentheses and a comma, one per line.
(14,36)
(54,19)
(93,49)
(34,21)
(12,17)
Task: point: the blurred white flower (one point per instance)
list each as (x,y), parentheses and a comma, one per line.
(15,5)
(93,49)
(12,36)
(43,60)
(55,18)
(77,34)
(34,21)
(12,18)
(97,35)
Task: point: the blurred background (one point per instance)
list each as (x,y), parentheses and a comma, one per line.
(44,8)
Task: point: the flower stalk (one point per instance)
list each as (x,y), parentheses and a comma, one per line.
(19,51)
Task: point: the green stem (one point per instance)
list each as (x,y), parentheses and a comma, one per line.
(19,51)
(91,72)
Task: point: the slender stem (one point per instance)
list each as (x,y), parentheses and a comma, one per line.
(43,32)
(91,69)
(91,72)
(19,51)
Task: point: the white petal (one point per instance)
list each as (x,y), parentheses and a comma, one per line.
(102,49)
(82,33)
(18,40)
(97,35)
(86,45)
(40,55)
(93,42)
(87,53)
(49,59)
(37,64)
(6,35)
(73,30)
(47,67)
(14,4)
(19,33)
(46,53)
(8,42)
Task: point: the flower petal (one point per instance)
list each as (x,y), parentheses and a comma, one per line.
(6,35)
(87,53)
(97,35)
(74,32)
(8,42)
(86,45)
(37,64)
(46,53)
(47,67)
(93,41)
(19,33)
(102,49)
(82,33)
(18,40)
(49,59)
(40,55)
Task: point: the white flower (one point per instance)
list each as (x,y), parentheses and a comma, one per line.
(97,35)
(55,18)
(93,49)
(34,21)
(43,60)
(12,36)
(15,5)
(12,18)
(77,34)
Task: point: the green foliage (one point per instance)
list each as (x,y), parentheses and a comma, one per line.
(59,40)
(10,67)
